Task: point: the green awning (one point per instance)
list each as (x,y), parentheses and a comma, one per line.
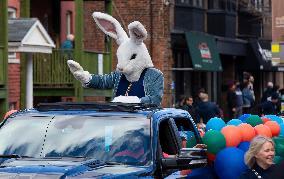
(203,51)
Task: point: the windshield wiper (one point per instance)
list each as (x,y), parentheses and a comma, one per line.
(113,163)
(14,156)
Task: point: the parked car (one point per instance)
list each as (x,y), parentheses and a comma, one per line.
(97,140)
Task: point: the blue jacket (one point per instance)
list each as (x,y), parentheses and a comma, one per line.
(67,44)
(153,84)
(248,97)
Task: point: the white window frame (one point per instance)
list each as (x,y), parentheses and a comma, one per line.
(11,14)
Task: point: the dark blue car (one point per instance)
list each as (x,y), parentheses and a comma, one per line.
(97,140)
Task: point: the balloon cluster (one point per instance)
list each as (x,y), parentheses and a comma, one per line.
(227,143)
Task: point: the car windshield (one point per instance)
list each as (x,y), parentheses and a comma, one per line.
(112,139)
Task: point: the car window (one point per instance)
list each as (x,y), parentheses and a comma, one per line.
(124,139)
(187,131)
(17,135)
(167,137)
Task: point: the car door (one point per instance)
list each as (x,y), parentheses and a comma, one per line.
(171,133)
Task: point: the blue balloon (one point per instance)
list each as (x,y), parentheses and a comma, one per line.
(244,146)
(229,163)
(215,123)
(244,117)
(281,130)
(275,118)
(234,122)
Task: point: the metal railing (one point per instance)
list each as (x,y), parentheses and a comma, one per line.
(51,70)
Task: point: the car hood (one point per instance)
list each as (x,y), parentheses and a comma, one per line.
(67,168)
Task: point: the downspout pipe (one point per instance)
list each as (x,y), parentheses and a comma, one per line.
(151,28)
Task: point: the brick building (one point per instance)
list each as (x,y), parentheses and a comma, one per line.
(14,63)
(154,16)
(58,17)
(236,27)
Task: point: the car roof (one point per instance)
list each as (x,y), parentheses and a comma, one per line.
(102,109)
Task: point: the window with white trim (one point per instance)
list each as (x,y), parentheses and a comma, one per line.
(11,14)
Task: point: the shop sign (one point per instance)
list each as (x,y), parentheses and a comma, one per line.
(204,50)
(277,53)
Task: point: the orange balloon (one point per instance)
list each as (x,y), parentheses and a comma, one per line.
(265,119)
(263,130)
(247,132)
(274,127)
(232,135)
(9,113)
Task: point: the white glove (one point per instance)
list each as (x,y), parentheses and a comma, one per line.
(78,72)
(126,99)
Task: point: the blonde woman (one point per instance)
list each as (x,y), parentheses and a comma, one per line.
(259,159)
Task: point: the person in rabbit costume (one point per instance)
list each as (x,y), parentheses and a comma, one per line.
(135,79)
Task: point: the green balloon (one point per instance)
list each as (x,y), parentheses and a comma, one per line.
(254,120)
(215,141)
(277,159)
(278,140)
(279,150)
(279,145)
(191,141)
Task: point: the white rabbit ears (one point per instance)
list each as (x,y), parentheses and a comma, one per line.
(112,27)
(137,32)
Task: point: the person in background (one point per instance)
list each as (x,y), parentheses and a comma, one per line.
(259,159)
(281,91)
(248,98)
(239,100)
(69,42)
(232,100)
(206,110)
(250,86)
(197,99)
(271,106)
(268,91)
(188,106)
(180,102)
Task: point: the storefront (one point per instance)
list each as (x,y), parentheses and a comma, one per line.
(197,64)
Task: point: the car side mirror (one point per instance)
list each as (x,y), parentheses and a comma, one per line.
(188,158)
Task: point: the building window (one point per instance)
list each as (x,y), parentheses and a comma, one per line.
(194,3)
(231,5)
(11,14)
(227,5)
(69,23)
